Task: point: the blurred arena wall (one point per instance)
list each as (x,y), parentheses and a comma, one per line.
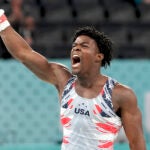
(29,107)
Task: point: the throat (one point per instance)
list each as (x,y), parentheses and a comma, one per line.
(90,88)
(87,92)
(85,84)
(86,89)
(87,81)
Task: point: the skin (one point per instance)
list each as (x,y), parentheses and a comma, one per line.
(89,79)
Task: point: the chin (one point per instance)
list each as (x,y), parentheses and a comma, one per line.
(75,72)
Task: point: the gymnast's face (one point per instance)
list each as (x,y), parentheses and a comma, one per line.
(84,55)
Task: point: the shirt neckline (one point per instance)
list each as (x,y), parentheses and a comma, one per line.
(89,99)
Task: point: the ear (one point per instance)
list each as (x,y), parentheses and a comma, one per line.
(99,57)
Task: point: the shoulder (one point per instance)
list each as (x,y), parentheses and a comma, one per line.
(59,75)
(58,65)
(124,96)
(59,69)
(123,90)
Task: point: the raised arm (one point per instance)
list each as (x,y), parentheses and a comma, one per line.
(50,72)
(131,117)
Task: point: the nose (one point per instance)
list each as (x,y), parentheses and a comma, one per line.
(76,48)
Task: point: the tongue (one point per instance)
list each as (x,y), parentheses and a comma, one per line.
(76,64)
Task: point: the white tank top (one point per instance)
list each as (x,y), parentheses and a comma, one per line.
(89,124)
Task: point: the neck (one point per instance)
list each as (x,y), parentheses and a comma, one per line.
(87,80)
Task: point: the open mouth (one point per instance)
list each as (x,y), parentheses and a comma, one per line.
(75,59)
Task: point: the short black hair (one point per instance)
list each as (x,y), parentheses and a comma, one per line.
(103,42)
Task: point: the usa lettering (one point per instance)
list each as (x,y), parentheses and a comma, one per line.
(82,111)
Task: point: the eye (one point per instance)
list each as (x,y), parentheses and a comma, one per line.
(85,45)
(73,46)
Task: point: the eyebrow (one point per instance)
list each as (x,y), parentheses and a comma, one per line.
(74,43)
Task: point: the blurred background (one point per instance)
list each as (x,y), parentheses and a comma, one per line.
(29,108)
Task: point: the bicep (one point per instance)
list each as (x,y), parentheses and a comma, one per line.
(37,64)
(132,123)
(50,72)
(132,119)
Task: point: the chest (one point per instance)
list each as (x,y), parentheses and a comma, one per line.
(78,109)
(93,93)
(90,92)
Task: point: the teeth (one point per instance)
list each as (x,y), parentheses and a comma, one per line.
(75,56)
(76,59)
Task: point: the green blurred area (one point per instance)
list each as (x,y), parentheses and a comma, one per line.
(55,147)
(29,107)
